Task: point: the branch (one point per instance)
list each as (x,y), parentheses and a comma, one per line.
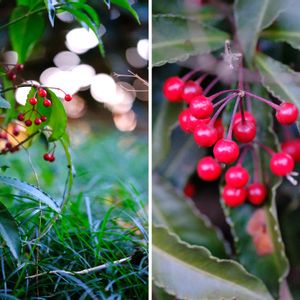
(85,271)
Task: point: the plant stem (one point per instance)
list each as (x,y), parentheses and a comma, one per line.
(210,86)
(229,134)
(270,103)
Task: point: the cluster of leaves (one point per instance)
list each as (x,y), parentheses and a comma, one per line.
(205,267)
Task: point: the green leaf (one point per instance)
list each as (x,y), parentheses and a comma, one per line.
(251,18)
(25,34)
(126,5)
(175,38)
(9,231)
(272,268)
(30,190)
(191,227)
(280,80)
(166,120)
(191,272)
(4,103)
(287,27)
(58,118)
(160,294)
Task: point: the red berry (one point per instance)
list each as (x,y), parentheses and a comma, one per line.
(11,76)
(226,151)
(201,107)
(236,177)
(287,113)
(292,147)
(190,90)
(68,97)
(173,88)
(205,135)
(43,118)
(51,158)
(28,123)
(282,164)
(247,115)
(47,102)
(257,193)
(16,131)
(187,121)
(209,169)
(244,132)
(234,197)
(8,145)
(220,128)
(19,67)
(189,190)
(37,121)
(42,92)
(3,135)
(33,101)
(47,156)
(21,117)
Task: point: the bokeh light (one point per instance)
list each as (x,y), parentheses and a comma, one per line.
(125,122)
(103,88)
(22,92)
(143,48)
(66,60)
(134,59)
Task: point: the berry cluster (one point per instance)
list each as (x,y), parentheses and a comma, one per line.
(12,70)
(201,118)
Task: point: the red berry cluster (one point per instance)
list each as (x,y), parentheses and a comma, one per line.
(12,70)
(201,117)
(5,142)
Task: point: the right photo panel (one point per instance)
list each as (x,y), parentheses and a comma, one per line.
(225,149)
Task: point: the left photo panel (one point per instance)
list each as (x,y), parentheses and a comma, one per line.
(74,149)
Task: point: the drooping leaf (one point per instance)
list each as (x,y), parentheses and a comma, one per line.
(167,118)
(280,80)
(271,267)
(30,190)
(191,226)
(191,272)
(9,231)
(25,33)
(252,17)
(175,38)
(4,103)
(58,118)
(127,6)
(287,26)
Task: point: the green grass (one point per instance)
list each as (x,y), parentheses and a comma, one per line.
(104,221)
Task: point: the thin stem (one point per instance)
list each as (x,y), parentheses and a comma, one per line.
(210,86)
(256,165)
(201,79)
(188,75)
(242,156)
(217,113)
(229,134)
(266,148)
(214,96)
(270,103)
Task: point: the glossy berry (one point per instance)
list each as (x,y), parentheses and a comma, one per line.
(19,67)
(187,121)
(173,88)
(201,107)
(257,193)
(220,128)
(47,156)
(234,197)
(43,118)
(28,123)
(21,117)
(37,121)
(236,177)
(47,102)
(11,76)
(282,164)
(52,158)
(292,147)
(209,169)
(205,135)
(42,93)
(244,132)
(226,151)
(287,113)
(33,101)
(247,115)
(191,89)
(68,97)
